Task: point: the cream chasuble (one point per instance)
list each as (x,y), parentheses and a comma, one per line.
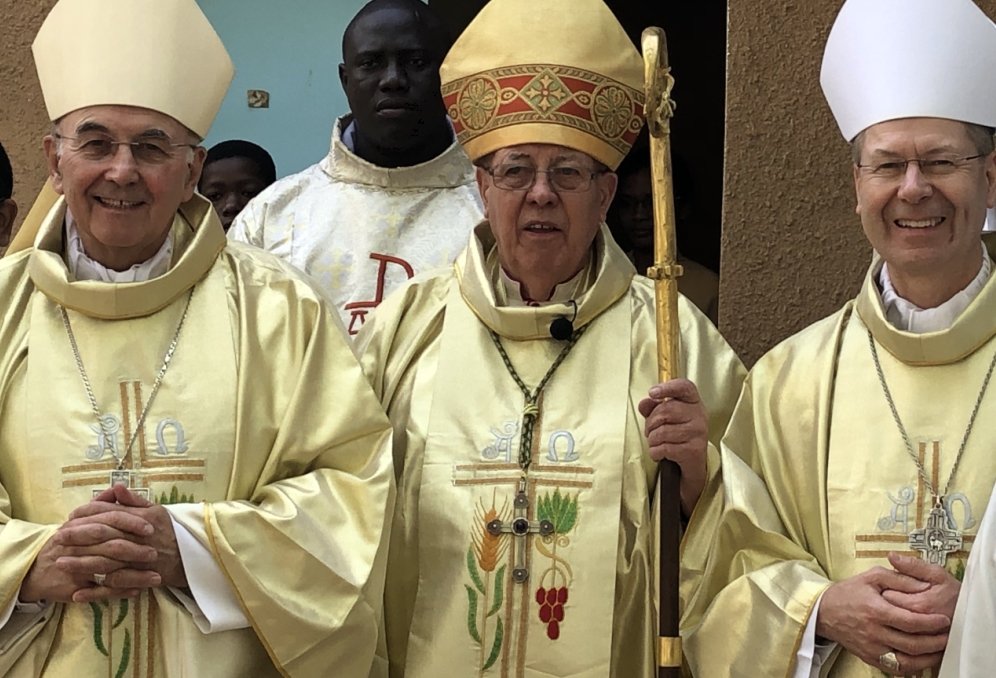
(839,490)
(361,230)
(584,602)
(263,429)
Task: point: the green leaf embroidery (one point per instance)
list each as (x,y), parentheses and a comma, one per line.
(559,509)
(125,655)
(569,515)
(472,568)
(496,646)
(472,614)
(543,508)
(122,613)
(175,497)
(98,628)
(499,590)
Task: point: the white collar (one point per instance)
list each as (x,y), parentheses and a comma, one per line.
(562,293)
(907,316)
(82,267)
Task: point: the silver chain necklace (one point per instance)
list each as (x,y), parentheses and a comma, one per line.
(938,538)
(105,425)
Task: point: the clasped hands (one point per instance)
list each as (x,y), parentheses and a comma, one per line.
(677,429)
(120,535)
(906,611)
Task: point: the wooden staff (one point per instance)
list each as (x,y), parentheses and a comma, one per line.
(658,110)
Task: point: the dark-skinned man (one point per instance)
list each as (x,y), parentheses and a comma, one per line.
(177,412)
(396,194)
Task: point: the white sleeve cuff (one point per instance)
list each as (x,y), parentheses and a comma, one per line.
(812,655)
(212,602)
(18,617)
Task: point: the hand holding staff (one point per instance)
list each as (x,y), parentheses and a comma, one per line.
(658,110)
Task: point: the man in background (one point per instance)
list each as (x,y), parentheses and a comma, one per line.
(396,194)
(8,208)
(631,219)
(235,172)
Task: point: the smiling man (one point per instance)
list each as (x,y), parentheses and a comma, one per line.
(860,457)
(395,195)
(517,379)
(165,452)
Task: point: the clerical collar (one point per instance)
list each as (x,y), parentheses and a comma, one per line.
(509,291)
(604,281)
(449,169)
(907,316)
(82,267)
(198,240)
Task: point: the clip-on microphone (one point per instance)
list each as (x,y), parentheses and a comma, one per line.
(561,328)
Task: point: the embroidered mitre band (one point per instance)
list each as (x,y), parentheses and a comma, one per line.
(557,72)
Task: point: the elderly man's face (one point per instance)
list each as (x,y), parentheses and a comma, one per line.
(390,73)
(123,204)
(925,224)
(544,233)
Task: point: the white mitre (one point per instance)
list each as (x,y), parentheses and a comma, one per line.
(889,59)
(157,54)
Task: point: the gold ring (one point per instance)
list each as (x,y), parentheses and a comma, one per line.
(889,661)
(99,579)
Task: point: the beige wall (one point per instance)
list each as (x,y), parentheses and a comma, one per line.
(23,121)
(792,249)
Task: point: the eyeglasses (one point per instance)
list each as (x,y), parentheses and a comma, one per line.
(932,168)
(565,178)
(97,147)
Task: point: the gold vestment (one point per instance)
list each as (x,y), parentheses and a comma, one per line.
(818,485)
(264,430)
(588,607)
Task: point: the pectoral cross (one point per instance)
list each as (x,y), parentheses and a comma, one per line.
(126,478)
(520,528)
(936,539)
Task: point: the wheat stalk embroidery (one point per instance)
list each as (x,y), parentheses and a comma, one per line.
(485,594)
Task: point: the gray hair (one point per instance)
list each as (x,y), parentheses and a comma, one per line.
(980,136)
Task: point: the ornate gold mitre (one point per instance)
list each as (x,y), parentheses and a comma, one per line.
(551,71)
(157,54)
